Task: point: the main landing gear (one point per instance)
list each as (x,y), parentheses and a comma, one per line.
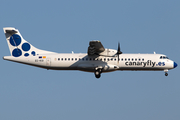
(98,73)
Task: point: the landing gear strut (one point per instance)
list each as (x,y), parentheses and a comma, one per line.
(98,73)
(166,70)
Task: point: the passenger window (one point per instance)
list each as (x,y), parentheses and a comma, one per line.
(125,59)
(61,58)
(143,59)
(75,58)
(72,59)
(115,59)
(161,57)
(86,58)
(139,59)
(89,58)
(82,58)
(132,59)
(129,59)
(104,59)
(122,59)
(135,59)
(65,58)
(68,58)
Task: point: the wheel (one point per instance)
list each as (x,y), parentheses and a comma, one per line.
(98,76)
(97,73)
(166,74)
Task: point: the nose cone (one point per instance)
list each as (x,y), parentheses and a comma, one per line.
(175,65)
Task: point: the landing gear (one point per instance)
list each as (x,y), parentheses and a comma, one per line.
(166,74)
(98,73)
(166,70)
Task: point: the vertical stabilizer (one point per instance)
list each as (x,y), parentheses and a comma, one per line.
(18,46)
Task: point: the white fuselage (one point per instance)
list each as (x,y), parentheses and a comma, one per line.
(87,63)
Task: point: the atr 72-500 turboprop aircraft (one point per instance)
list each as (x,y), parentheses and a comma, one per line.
(97,59)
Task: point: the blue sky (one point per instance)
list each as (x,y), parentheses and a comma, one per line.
(30,93)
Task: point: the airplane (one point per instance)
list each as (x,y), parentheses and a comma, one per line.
(97,59)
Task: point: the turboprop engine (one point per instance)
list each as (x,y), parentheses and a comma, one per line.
(108,52)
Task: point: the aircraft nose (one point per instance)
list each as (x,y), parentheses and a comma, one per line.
(175,65)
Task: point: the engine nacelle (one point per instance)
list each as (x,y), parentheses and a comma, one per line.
(108,52)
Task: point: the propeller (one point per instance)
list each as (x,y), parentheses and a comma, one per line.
(118,51)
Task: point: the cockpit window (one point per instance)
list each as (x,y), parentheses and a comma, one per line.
(164,57)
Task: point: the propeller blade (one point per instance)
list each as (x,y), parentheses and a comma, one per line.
(118,47)
(118,51)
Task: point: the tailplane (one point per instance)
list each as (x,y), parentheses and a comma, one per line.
(18,46)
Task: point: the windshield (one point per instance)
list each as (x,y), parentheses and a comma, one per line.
(164,57)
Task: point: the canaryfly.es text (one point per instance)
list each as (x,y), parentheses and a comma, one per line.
(149,63)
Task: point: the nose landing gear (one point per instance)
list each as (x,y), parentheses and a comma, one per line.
(166,70)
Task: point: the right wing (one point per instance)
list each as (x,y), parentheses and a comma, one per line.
(95,48)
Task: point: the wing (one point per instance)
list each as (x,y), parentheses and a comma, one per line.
(95,47)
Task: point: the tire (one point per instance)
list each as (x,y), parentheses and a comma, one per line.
(98,76)
(97,73)
(166,74)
